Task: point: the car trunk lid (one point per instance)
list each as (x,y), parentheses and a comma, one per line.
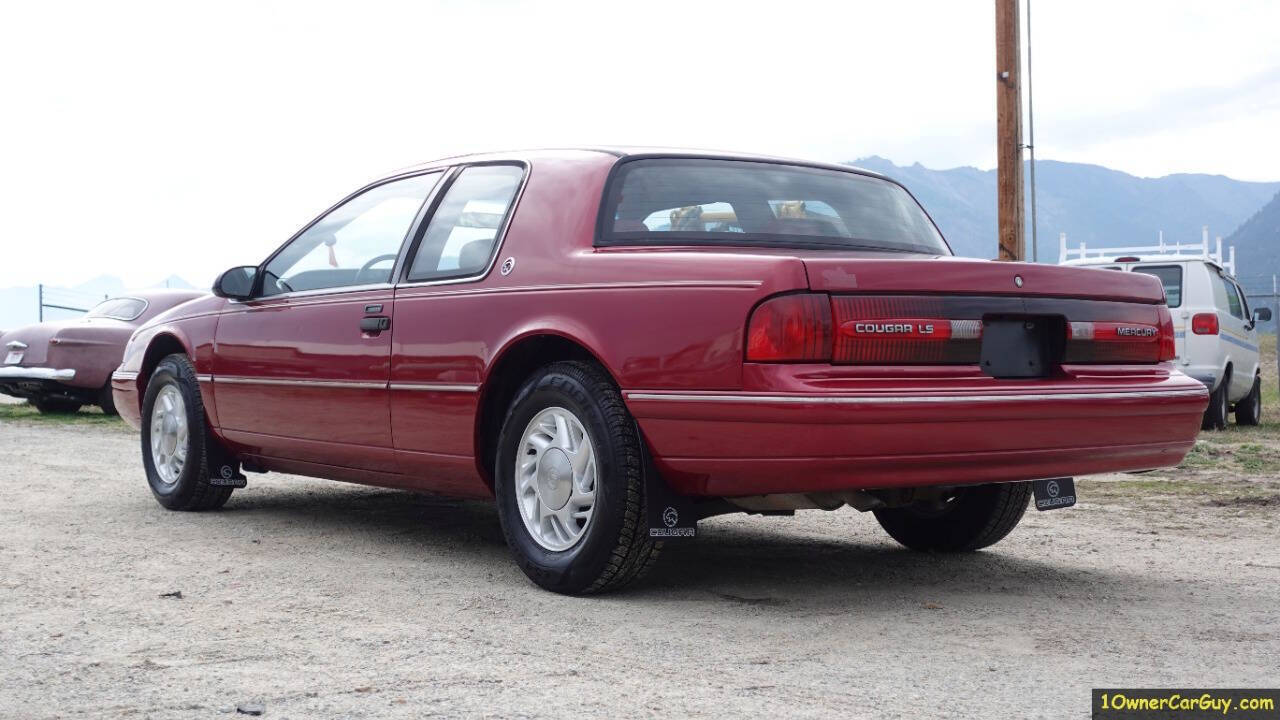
(835,273)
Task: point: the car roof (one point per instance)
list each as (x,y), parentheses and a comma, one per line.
(1143,260)
(634,151)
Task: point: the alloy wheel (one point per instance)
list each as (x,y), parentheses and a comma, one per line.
(556,478)
(169,436)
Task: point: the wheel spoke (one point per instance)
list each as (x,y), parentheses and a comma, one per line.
(563,437)
(581,459)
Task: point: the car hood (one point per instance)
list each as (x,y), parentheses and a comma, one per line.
(199,306)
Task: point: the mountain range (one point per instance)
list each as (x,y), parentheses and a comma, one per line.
(1101,207)
(1258,239)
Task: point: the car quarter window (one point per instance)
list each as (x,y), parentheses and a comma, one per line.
(461,236)
(1171,277)
(355,244)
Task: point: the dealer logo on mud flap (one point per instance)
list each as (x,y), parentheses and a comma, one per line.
(1054,494)
(671,518)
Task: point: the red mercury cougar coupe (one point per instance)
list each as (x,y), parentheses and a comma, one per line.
(614,344)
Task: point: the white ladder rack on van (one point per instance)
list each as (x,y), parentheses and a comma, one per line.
(1165,250)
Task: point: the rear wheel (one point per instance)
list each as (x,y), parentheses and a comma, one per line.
(1249,409)
(569,483)
(55,406)
(1215,416)
(971,518)
(175,439)
(107,400)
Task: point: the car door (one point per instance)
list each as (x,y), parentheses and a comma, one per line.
(1233,333)
(436,350)
(1170,276)
(1247,365)
(300,371)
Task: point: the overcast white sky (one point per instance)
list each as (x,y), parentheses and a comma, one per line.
(147,139)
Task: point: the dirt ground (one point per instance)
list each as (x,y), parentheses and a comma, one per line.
(321,599)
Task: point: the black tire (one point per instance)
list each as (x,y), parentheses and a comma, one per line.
(615,548)
(55,406)
(1249,409)
(191,490)
(975,517)
(1215,416)
(107,400)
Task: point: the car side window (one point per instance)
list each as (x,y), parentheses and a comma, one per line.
(461,237)
(1219,285)
(1244,301)
(355,244)
(1226,297)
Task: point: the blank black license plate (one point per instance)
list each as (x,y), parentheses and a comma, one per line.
(1016,347)
(1054,494)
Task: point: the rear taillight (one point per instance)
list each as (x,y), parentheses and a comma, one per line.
(790,328)
(1168,349)
(929,330)
(1204,324)
(1113,342)
(887,330)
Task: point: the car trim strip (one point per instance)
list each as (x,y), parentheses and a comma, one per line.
(622,285)
(1237,341)
(349,384)
(204,378)
(435,387)
(126,375)
(904,399)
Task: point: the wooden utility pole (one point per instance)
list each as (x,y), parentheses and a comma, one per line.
(1009,200)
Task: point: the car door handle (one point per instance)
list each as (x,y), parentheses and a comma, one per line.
(375,324)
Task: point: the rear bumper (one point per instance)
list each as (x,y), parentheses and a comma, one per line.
(17,372)
(896,433)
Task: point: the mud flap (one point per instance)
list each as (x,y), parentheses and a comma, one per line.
(670,516)
(1054,494)
(224,468)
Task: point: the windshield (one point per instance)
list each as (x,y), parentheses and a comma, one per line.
(733,202)
(119,308)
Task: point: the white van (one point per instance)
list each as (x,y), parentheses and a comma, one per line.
(1214,328)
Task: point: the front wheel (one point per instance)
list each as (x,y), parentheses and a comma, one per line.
(1249,409)
(569,483)
(175,438)
(970,518)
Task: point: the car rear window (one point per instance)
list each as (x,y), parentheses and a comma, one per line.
(682,201)
(1171,277)
(119,308)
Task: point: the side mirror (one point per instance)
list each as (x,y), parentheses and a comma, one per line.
(1262,315)
(236,283)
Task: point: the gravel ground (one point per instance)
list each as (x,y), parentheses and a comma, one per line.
(322,599)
